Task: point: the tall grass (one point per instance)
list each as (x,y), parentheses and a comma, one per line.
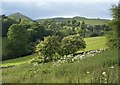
(101,68)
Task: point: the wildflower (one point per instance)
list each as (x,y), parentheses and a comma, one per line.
(72,60)
(75,57)
(112,67)
(105,79)
(35,64)
(104,73)
(59,60)
(88,72)
(35,72)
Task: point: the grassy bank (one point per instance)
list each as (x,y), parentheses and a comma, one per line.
(101,68)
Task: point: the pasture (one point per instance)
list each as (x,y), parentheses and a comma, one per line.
(92,43)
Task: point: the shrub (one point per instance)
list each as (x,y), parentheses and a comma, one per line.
(71,44)
(48,47)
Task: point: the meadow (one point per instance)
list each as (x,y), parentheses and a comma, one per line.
(100,68)
(92,43)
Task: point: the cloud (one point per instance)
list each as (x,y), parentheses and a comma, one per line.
(61,0)
(45,9)
(42,3)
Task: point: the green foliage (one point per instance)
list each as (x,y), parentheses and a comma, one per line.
(114,40)
(36,31)
(4,50)
(93,43)
(74,21)
(71,44)
(18,41)
(6,23)
(48,47)
(83,27)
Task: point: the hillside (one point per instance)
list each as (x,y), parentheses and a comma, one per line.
(18,16)
(91,21)
(101,68)
(92,68)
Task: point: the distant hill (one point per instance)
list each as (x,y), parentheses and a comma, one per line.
(91,21)
(78,17)
(18,16)
(57,19)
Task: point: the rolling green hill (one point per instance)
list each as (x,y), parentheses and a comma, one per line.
(18,16)
(91,21)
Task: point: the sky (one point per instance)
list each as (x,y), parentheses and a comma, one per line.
(40,9)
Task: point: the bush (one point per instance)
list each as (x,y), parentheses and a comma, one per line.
(48,47)
(71,44)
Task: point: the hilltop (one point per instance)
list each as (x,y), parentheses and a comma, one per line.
(18,16)
(91,21)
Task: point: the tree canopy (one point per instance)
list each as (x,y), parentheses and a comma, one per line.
(114,35)
(18,40)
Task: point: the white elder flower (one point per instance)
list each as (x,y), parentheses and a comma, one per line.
(88,72)
(104,73)
(72,60)
(112,67)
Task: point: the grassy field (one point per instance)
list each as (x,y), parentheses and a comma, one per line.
(95,21)
(101,68)
(93,43)
(18,61)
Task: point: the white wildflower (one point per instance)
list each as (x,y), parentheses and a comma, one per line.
(35,72)
(59,60)
(104,73)
(72,60)
(88,72)
(75,57)
(35,64)
(112,67)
